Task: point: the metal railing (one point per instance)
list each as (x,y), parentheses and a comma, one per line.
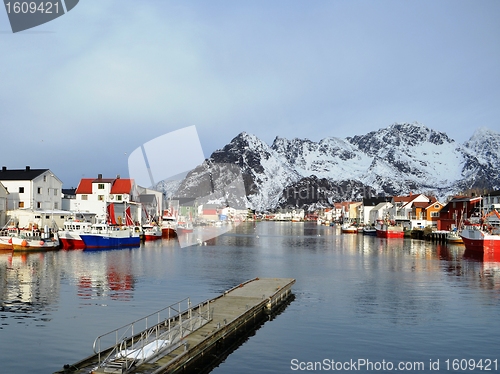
(171,325)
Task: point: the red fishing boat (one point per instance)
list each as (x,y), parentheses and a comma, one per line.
(484,236)
(388,229)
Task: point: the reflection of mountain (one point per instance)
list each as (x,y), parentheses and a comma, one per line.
(30,284)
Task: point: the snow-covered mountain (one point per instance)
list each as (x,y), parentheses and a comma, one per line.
(394,160)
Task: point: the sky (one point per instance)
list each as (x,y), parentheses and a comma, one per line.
(80,93)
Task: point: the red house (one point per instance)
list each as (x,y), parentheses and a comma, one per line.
(457,210)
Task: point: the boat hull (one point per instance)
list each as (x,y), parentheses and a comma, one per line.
(168,232)
(23,244)
(390,232)
(72,243)
(5,243)
(106,241)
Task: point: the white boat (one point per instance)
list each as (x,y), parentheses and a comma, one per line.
(168,225)
(69,236)
(349,228)
(151,232)
(454,237)
(35,240)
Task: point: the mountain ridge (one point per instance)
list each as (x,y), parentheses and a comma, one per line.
(398,159)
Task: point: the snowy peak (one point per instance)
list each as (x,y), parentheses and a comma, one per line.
(399,159)
(398,135)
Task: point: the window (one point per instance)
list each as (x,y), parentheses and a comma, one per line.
(47,217)
(436,206)
(56,206)
(62,217)
(39,190)
(434,214)
(21,189)
(100,197)
(85,197)
(38,205)
(100,186)
(45,178)
(37,217)
(119,197)
(21,204)
(55,191)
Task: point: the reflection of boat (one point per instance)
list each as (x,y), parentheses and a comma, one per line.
(386,229)
(151,232)
(103,235)
(34,240)
(69,236)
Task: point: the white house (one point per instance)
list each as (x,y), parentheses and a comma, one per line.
(111,199)
(31,189)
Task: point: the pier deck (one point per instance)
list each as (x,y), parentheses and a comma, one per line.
(230,315)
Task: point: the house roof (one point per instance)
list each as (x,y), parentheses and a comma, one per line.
(121,186)
(26,174)
(85,186)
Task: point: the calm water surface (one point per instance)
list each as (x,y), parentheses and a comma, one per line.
(356,298)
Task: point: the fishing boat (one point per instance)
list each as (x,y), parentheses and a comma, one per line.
(388,229)
(151,232)
(102,235)
(484,236)
(349,228)
(369,230)
(454,237)
(69,236)
(168,225)
(35,240)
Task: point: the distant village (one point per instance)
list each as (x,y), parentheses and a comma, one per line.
(36,196)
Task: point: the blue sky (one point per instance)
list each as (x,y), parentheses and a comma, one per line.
(80,93)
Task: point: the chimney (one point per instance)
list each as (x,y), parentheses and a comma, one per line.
(99,176)
(118,176)
(4,168)
(27,168)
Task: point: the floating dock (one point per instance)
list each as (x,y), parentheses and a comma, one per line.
(181,337)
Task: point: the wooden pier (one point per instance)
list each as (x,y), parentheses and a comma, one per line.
(192,336)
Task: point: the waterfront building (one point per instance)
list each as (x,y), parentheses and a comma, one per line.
(31,189)
(113,198)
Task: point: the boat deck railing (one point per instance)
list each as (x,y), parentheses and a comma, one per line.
(137,342)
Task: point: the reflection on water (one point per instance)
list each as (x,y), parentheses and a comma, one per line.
(350,288)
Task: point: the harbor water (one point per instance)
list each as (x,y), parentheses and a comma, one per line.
(360,303)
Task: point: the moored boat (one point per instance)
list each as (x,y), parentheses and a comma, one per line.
(69,236)
(103,235)
(348,228)
(480,238)
(168,225)
(454,237)
(386,229)
(151,232)
(369,230)
(35,240)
